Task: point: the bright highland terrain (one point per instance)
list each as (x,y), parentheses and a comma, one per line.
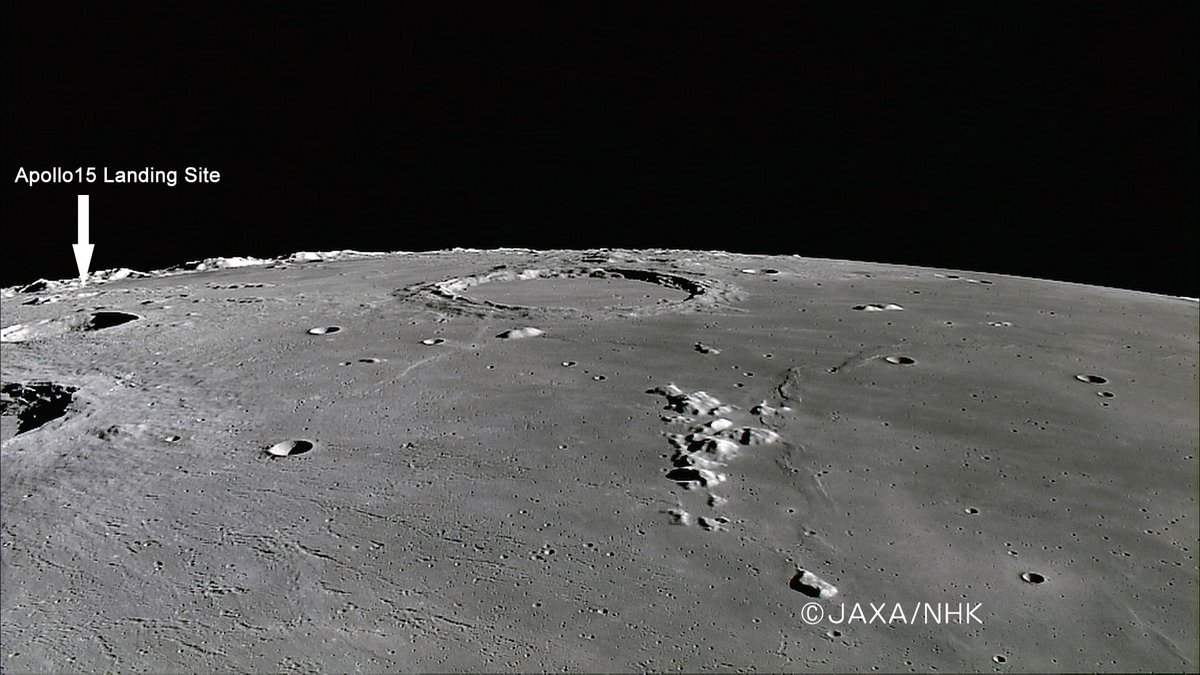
(606,460)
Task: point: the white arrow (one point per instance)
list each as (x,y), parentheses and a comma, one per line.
(83,250)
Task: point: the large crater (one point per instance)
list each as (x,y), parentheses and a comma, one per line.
(581,291)
(78,323)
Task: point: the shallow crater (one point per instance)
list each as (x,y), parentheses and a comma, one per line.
(574,291)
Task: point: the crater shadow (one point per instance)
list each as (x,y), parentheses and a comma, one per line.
(102,320)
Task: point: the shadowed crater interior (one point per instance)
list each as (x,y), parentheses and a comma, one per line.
(36,403)
(102,320)
(289,448)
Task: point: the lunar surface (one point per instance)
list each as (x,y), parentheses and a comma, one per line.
(595,461)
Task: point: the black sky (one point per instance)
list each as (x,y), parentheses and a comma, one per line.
(1054,140)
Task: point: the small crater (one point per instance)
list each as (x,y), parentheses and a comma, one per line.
(568,364)
(102,320)
(599,378)
(370,360)
(1105,394)
(289,448)
(970,510)
(705,349)
(999,658)
(1092,379)
(831,634)
(901,360)
(173,438)
(429,342)
(1032,578)
(879,307)
(324,330)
